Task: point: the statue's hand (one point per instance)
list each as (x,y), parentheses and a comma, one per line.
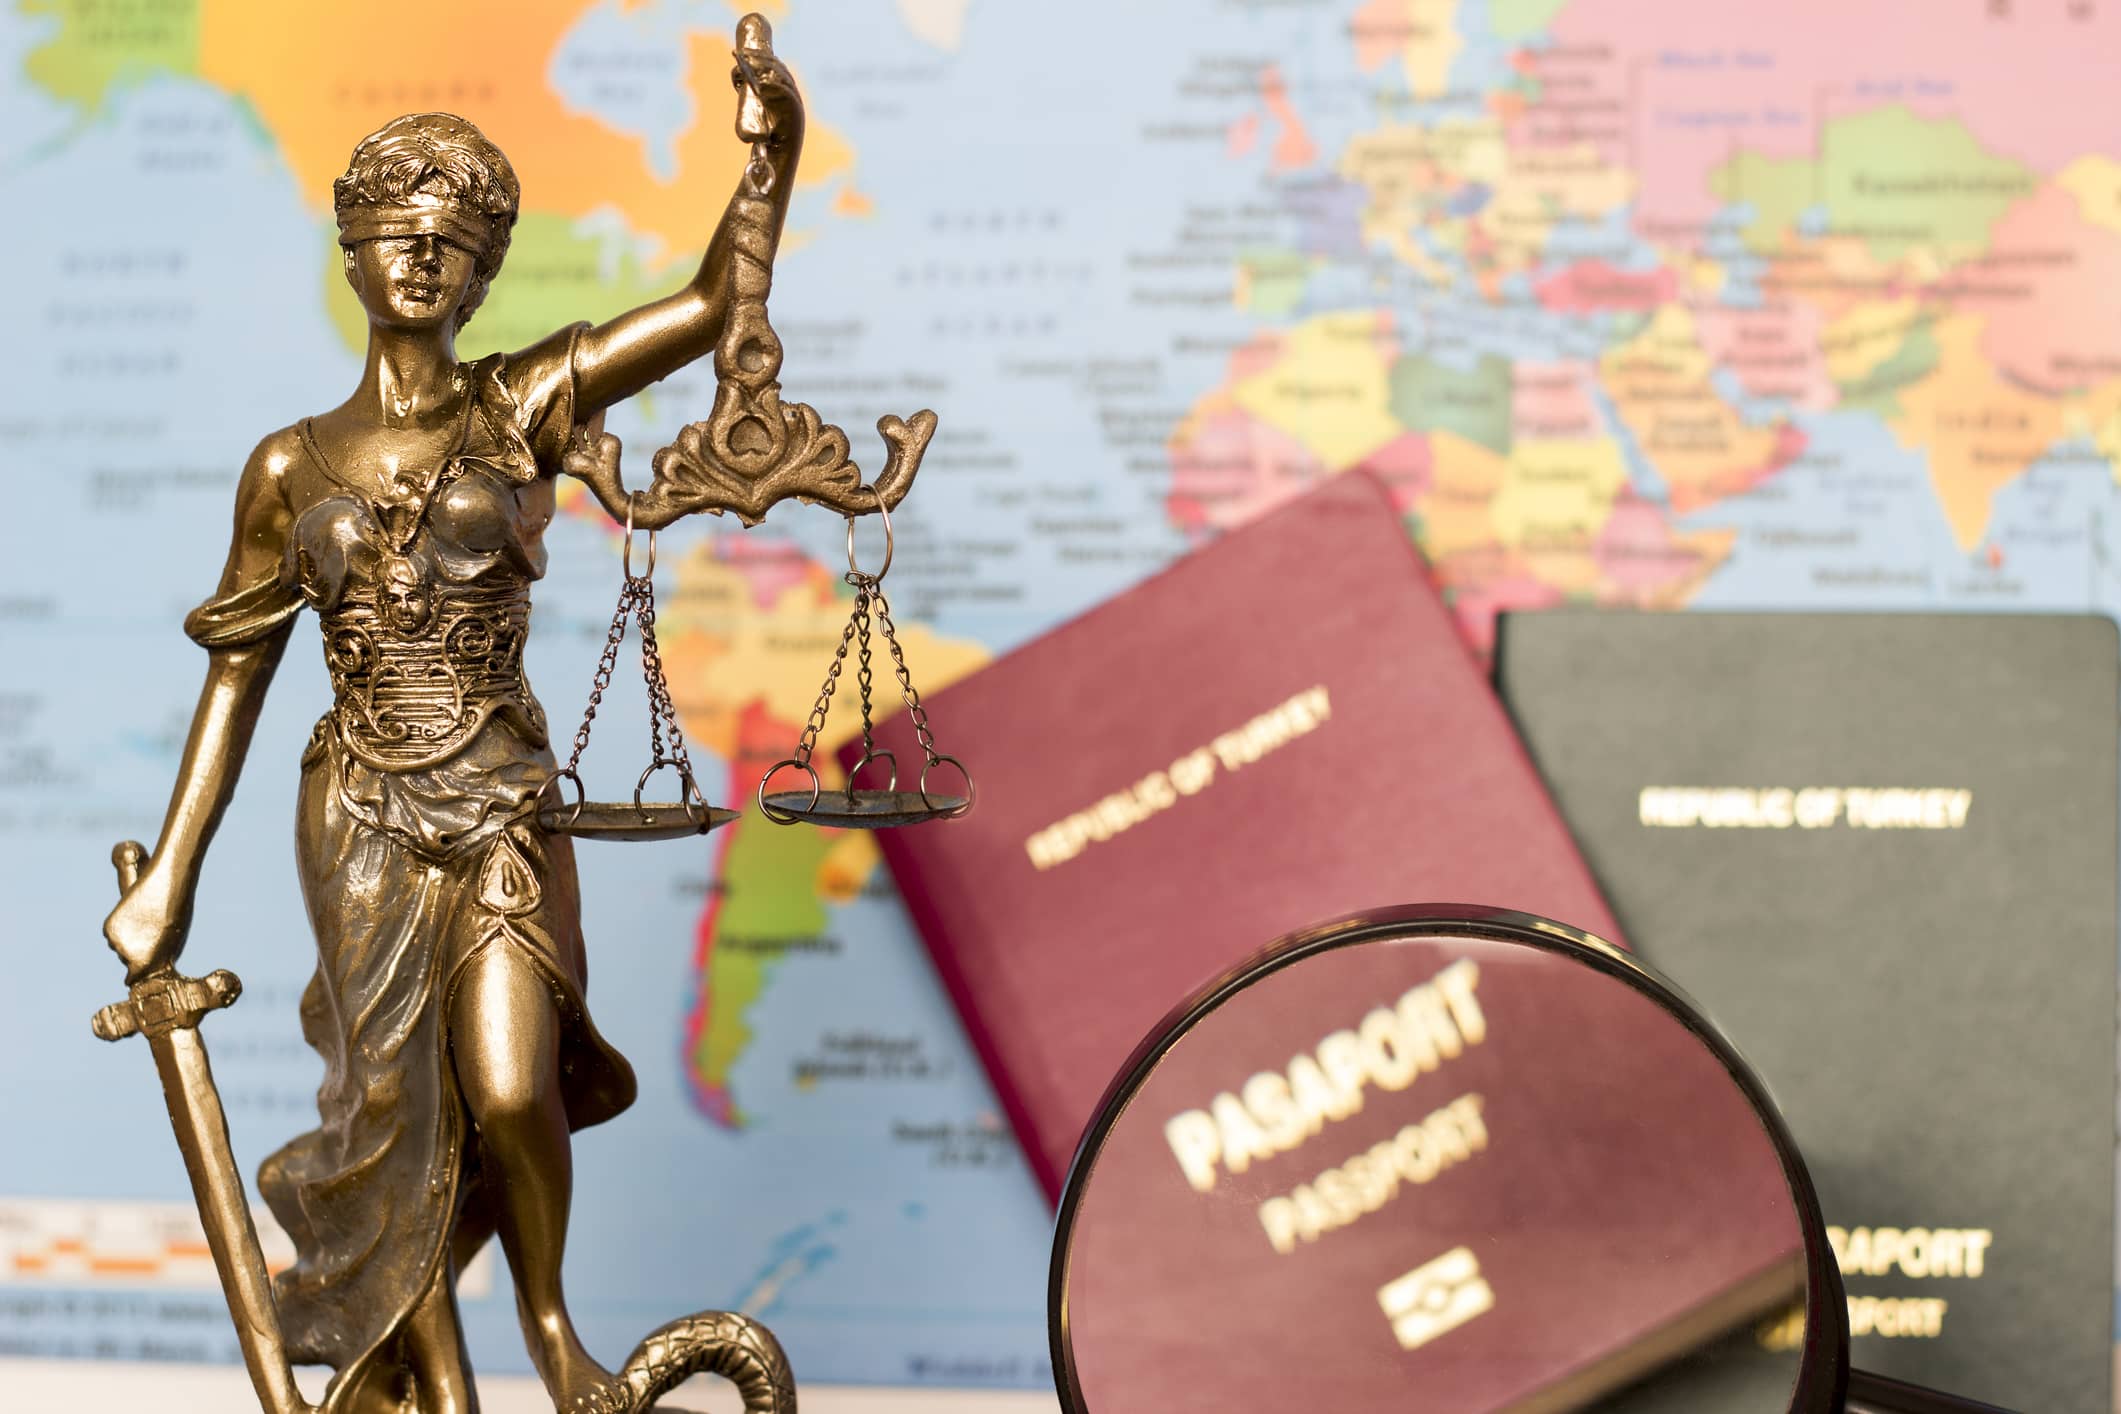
(148,926)
(768,109)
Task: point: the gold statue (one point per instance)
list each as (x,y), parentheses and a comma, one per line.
(448,1000)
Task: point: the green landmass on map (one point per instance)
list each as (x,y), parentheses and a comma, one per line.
(1274,281)
(1431,396)
(1899,181)
(1521,19)
(772,904)
(1877,392)
(100,45)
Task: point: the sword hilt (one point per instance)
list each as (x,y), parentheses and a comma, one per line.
(161,1001)
(129,856)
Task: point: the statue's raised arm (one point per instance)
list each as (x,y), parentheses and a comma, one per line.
(753,450)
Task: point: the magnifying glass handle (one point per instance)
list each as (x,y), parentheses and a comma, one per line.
(1876,1394)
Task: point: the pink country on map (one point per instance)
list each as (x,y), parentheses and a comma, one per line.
(2050,293)
(1593,286)
(1712,75)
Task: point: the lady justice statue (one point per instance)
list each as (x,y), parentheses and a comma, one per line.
(448,1001)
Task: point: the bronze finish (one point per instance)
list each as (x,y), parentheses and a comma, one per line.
(689,814)
(856,807)
(623,820)
(861,810)
(448,1001)
(754,450)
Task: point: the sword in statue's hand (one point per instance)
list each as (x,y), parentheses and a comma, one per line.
(167,1009)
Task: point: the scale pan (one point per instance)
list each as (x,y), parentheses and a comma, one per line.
(623,820)
(864,810)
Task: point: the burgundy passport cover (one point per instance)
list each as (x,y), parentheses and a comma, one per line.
(1532,1244)
(1281,728)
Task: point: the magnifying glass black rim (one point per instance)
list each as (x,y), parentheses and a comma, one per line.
(1822,1374)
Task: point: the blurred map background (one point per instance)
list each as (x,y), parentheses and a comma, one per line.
(1659,304)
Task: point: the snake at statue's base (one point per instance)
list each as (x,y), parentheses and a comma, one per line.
(723,1343)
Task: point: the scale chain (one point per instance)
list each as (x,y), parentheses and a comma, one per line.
(807,743)
(907,691)
(651,672)
(662,709)
(637,602)
(888,805)
(606,666)
(867,592)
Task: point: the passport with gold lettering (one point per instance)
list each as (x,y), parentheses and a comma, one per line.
(1413,1162)
(1283,727)
(1881,851)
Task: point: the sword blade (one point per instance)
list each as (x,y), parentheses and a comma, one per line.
(217,1186)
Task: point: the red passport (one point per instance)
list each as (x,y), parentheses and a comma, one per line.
(1281,727)
(1527,1185)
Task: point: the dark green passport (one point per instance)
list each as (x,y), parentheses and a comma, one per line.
(1880,850)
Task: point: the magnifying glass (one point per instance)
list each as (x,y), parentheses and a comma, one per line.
(1451,1159)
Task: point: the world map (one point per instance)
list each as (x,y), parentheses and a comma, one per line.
(1654,305)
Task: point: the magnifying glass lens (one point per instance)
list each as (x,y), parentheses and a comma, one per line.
(1431,1166)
